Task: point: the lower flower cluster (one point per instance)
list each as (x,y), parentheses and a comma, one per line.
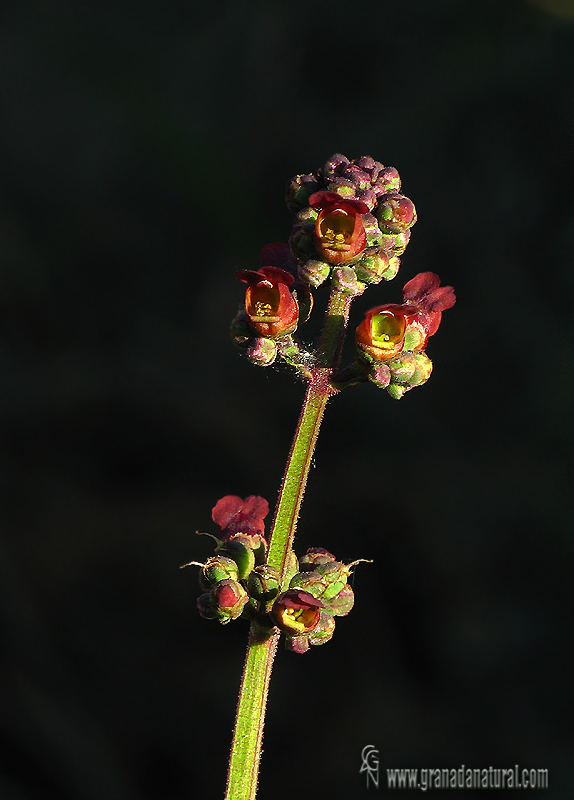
(237,581)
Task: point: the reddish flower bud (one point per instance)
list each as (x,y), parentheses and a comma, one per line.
(271,308)
(296,611)
(339,231)
(382,333)
(229,598)
(396,213)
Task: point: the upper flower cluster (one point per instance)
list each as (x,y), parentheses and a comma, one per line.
(349,213)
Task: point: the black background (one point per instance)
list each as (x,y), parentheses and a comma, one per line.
(144,153)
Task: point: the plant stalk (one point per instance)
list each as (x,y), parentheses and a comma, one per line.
(248,734)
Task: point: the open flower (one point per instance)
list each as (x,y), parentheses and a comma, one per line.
(382,333)
(271,308)
(234,515)
(296,611)
(339,231)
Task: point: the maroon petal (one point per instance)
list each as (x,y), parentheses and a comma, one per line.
(225,509)
(420,285)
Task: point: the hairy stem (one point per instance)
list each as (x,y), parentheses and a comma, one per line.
(248,733)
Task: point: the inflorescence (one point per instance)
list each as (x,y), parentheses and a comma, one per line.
(351,227)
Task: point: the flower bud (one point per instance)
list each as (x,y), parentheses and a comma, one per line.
(345,280)
(395,213)
(263,585)
(298,191)
(314,272)
(423,369)
(342,603)
(314,557)
(335,576)
(229,598)
(296,612)
(402,367)
(302,242)
(335,165)
(393,268)
(373,265)
(246,550)
(388,180)
(311,582)
(261,351)
(380,375)
(324,629)
(218,568)
(395,243)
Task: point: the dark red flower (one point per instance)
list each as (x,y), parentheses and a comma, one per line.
(234,515)
(339,231)
(296,611)
(270,306)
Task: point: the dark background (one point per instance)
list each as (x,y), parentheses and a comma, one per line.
(144,153)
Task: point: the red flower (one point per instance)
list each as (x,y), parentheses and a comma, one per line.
(234,515)
(339,231)
(296,611)
(382,333)
(270,306)
(387,330)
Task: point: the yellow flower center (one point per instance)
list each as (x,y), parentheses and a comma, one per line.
(387,329)
(336,229)
(263,301)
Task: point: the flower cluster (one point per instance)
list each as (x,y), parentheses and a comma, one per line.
(237,582)
(351,225)
(391,339)
(349,214)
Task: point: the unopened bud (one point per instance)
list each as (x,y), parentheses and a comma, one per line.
(324,629)
(314,272)
(262,351)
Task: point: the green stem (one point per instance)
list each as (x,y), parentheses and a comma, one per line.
(248,734)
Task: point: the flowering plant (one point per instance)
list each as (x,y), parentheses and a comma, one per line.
(350,229)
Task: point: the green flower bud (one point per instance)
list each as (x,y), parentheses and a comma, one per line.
(342,603)
(373,265)
(217,568)
(396,243)
(292,567)
(345,280)
(372,230)
(262,351)
(246,550)
(263,585)
(396,391)
(423,369)
(324,630)
(314,272)
(335,576)
(402,367)
(314,557)
(311,582)
(393,268)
